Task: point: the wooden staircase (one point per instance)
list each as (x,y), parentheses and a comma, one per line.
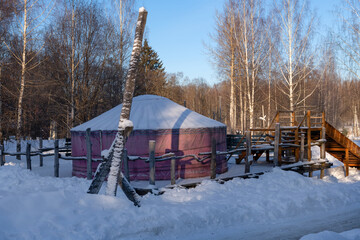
(339,146)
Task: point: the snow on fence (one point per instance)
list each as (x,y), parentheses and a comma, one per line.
(41,152)
(246,148)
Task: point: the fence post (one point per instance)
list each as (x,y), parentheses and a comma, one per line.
(152,162)
(40,155)
(28,158)
(56,158)
(172,170)
(276,144)
(126,164)
(322,147)
(88,155)
(18,148)
(248,151)
(309,136)
(302,147)
(346,162)
(213,159)
(2,156)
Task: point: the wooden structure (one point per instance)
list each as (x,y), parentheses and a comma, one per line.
(291,138)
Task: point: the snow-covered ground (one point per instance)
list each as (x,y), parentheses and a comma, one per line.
(278,205)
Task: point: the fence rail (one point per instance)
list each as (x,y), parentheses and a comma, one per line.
(242,145)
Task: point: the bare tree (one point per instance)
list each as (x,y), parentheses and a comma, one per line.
(34,14)
(225,54)
(295,58)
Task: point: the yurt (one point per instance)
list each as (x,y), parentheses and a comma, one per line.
(175,129)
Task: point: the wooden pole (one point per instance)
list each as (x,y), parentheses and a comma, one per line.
(88,155)
(152,162)
(322,147)
(347,161)
(293,119)
(297,150)
(309,136)
(18,148)
(56,158)
(322,171)
(41,160)
(28,158)
(302,147)
(248,152)
(276,144)
(213,159)
(2,156)
(126,164)
(125,125)
(172,171)
(267,156)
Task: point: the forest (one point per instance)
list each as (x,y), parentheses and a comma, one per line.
(64,62)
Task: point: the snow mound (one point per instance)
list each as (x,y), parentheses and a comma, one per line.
(328,235)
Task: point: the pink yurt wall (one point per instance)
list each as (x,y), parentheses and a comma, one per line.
(174,128)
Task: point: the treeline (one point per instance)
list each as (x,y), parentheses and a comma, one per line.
(65,62)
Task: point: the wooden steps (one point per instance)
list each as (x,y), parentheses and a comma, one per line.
(337,143)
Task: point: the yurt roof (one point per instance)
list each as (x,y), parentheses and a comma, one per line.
(151,112)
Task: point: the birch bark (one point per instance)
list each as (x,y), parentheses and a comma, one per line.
(125,125)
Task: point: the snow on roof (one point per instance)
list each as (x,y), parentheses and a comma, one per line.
(151,112)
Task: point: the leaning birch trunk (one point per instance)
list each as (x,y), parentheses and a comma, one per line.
(125,125)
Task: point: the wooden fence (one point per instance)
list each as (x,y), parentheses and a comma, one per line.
(244,146)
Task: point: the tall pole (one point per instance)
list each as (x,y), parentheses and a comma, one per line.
(125,125)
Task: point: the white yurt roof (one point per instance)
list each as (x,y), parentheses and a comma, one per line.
(151,112)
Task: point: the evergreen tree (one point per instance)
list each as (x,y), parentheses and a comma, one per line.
(151,73)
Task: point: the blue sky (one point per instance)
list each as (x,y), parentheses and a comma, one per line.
(178,29)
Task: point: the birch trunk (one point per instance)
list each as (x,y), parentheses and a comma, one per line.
(72,74)
(22,79)
(125,126)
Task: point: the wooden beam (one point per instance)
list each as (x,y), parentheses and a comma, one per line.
(347,161)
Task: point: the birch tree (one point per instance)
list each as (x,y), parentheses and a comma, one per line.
(125,125)
(34,14)
(224,55)
(295,58)
(252,46)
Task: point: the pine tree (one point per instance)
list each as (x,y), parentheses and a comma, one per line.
(151,73)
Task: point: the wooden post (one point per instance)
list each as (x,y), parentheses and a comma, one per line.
(267,155)
(152,162)
(302,147)
(248,152)
(322,147)
(277,117)
(213,159)
(309,136)
(322,171)
(40,155)
(297,150)
(56,158)
(126,164)
(347,162)
(18,148)
(2,155)
(293,119)
(28,158)
(172,171)
(276,144)
(88,155)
